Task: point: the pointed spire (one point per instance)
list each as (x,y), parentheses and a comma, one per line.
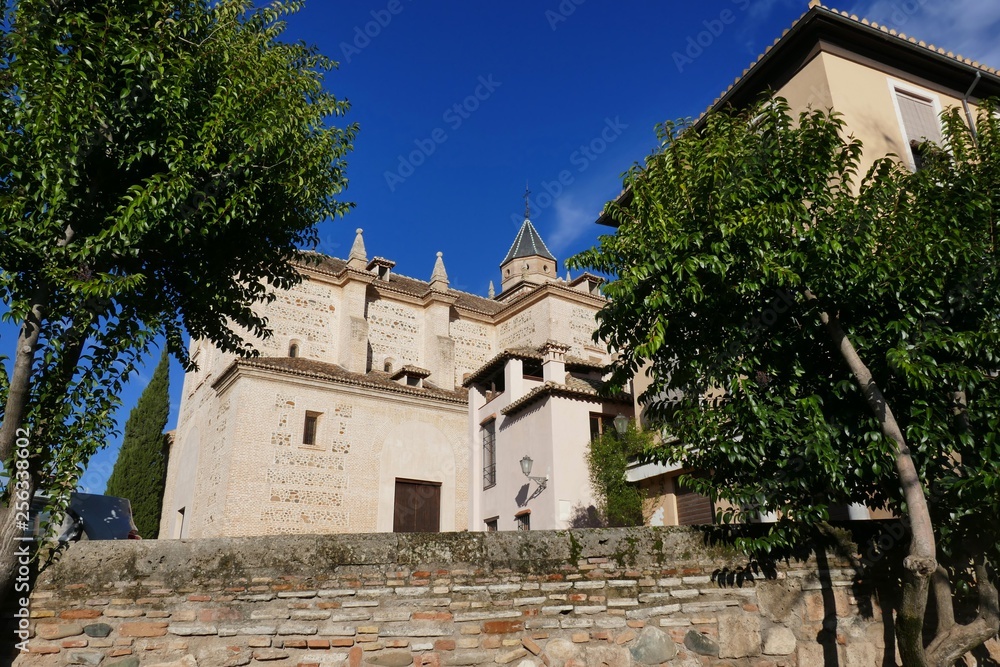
(527,244)
(358,259)
(439,277)
(527,202)
(492,293)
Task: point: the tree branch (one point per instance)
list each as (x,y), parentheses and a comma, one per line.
(943,600)
(960,639)
(19,387)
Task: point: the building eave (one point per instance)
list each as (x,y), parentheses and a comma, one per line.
(815,31)
(823,24)
(555,389)
(494,364)
(239,366)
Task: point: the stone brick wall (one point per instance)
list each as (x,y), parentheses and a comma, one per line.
(583,598)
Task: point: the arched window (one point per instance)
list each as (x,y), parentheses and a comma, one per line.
(293,350)
(387,366)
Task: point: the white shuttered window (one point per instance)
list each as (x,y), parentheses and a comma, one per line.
(920,119)
(920,123)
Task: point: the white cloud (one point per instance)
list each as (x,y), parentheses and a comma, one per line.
(966,27)
(572,220)
(755,33)
(759,11)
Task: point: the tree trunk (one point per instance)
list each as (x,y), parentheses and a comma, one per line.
(13,586)
(20,379)
(24,359)
(921,562)
(951,641)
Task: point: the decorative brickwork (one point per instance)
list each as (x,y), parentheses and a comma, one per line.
(583,598)
(518,331)
(474,346)
(394,331)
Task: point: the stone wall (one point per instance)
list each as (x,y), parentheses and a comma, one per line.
(593,597)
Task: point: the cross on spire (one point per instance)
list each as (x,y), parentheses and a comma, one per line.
(527,202)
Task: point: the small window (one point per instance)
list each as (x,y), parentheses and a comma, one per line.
(920,124)
(488,432)
(293,350)
(491,524)
(309,428)
(523,521)
(601,424)
(387,366)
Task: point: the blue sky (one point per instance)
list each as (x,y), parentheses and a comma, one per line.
(460,103)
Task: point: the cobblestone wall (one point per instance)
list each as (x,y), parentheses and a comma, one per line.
(600,597)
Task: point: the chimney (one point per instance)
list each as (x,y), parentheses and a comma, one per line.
(554,362)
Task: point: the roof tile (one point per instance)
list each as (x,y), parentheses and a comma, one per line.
(332,372)
(528,243)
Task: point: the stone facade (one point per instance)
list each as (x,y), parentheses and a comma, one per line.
(360,386)
(577,598)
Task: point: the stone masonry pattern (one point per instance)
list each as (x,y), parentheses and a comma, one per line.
(570,598)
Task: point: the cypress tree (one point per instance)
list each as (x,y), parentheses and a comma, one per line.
(141,469)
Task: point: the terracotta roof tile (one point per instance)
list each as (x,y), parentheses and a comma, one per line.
(534,353)
(334,373)
(409,286)
(409,369)
(574,388)
(817,8)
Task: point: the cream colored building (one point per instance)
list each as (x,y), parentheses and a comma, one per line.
(354,418)
(890,89)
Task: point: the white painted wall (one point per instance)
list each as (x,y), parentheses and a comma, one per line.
(554,432)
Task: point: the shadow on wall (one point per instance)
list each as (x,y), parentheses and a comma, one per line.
(586,517)
(522,496)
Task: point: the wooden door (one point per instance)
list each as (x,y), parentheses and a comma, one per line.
(417,507)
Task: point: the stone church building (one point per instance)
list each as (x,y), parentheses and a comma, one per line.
(354,417)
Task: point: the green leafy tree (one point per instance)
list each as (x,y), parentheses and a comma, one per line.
(819,337)
(162,163)
(140,471)
(619,503)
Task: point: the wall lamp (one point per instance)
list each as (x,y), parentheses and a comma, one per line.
(621,424)
(526,463)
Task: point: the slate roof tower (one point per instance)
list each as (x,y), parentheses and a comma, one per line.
(528,260)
